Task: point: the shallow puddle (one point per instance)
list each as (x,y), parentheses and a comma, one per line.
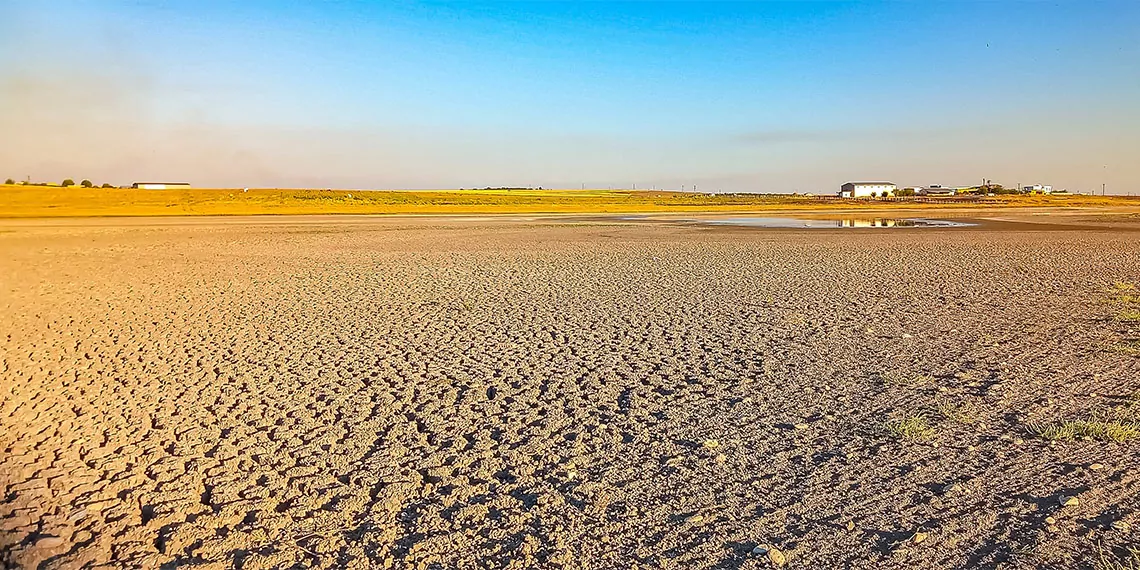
(823,223)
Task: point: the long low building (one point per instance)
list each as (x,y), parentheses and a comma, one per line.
(159,185)
(867,189)
(938,190)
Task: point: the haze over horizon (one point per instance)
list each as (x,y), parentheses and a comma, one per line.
(735,96)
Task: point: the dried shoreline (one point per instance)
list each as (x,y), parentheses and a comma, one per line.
(562,393)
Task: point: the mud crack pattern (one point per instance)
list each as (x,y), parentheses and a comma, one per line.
(451,394)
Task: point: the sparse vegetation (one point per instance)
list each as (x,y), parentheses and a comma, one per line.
(1109,560)
(1129,411)
(40,200)
(964,413)
(914,427)
(1124,292)
(1129,316)
(895,378)
(1113,430)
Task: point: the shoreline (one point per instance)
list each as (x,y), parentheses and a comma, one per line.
(1023,217)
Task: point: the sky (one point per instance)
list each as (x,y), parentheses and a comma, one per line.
(731,97)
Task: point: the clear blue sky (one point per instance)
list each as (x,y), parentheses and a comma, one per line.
(729,96)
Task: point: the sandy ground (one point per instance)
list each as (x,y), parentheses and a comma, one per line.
(487,393)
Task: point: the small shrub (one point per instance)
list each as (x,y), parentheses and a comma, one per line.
(914,427)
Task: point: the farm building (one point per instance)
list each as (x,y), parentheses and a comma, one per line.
(1037,189)
(937,190)
(159,185)
(866,189)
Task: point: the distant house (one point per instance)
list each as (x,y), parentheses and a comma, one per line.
(1037,189)
(866,189)
(159,185)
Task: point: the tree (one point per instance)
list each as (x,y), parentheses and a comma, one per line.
(68,182)
(86,183)
(9,181)
(106,185)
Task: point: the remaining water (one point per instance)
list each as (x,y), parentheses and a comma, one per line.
(822,223)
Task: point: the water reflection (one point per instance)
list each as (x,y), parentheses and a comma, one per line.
(845,222)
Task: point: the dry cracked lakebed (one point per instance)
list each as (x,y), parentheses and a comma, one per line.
(513,393)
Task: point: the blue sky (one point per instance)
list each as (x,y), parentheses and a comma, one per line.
(733,96)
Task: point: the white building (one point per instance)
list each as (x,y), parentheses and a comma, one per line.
(159,185)
(866,189)
(1037,189)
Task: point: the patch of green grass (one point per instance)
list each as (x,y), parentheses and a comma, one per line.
(914,427)
(1117,431)
(963,413)
(1129,316)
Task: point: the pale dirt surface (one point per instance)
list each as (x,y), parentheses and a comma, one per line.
(361,393)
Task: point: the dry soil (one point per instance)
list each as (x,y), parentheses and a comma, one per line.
(520,393)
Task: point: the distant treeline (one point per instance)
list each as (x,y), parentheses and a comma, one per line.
(503,188)
(990,189)
(66,183)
